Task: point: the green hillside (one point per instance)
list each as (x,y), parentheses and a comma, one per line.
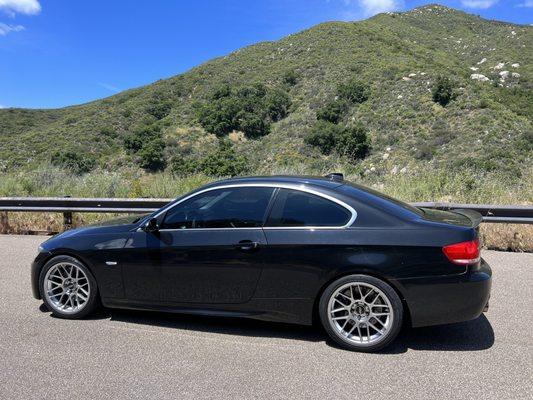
(376,79)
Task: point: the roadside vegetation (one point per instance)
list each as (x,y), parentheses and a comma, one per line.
(431,104)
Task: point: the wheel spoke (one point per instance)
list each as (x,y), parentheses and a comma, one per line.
(346,297)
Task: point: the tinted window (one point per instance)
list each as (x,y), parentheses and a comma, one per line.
(295,208)
(221,208)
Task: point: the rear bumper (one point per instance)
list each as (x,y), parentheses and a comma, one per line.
(448,299)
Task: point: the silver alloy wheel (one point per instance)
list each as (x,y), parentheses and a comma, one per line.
(67,288)
(360,313)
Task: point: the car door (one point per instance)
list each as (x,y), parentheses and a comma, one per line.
(206,251)
(306,237)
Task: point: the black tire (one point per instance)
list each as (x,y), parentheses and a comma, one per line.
(344,341)
(93,298)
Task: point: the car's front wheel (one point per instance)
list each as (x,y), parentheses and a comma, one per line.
(361,313)
(68,288)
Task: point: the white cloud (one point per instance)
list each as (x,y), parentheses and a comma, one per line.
(12,7)
(5,28)
(367,8)
(372,7)
(527,4)
(482,4)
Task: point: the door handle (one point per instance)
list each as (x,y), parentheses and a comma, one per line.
(247,245)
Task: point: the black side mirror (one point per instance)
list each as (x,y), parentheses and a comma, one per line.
(152,225)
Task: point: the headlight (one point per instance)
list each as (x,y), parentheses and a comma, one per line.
(41,248)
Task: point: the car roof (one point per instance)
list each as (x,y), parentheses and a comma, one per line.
(280,179)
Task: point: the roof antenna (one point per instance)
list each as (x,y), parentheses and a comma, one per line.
(335,176)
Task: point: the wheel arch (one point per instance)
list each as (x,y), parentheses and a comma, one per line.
(52,255)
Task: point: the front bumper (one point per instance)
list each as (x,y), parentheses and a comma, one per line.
(448,299)
(36,266)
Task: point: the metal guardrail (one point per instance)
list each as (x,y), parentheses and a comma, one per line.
(513,214)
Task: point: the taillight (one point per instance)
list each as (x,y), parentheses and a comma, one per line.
(463,253)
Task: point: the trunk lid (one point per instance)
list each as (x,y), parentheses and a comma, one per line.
(459,217)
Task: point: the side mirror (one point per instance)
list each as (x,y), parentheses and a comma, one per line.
(152,225)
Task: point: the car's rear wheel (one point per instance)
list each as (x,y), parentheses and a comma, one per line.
(68,288)
(361,313)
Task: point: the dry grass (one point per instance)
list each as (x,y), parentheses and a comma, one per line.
(505,237)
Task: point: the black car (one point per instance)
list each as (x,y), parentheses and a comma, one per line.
(280,248)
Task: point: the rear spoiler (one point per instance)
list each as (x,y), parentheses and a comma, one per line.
(472,215)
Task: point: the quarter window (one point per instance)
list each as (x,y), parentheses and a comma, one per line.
(294,208)
(242,207)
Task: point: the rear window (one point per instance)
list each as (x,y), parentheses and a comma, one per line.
(387,198)
(294,208)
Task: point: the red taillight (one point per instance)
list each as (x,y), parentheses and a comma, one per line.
(463,253)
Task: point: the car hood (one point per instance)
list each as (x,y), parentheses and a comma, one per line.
(117,225)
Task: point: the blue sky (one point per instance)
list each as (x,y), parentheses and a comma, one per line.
(55,53)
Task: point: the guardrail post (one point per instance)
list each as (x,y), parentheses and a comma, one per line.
(67,220)
(4,222)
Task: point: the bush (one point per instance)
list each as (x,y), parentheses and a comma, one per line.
(353,142)
(146,133)
(224,161)
(443,91)
(250,109)
(152,157)
(354,91)
(277,103)
(181,166)
(290,77)
(159,108)
(323,135)
(73,161)
(332,112)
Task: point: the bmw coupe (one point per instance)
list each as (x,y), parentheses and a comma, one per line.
(280,248)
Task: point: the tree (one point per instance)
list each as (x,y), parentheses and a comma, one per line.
(354,91)
(152,157)
(224,161)
(290,77)
(332,111)
(250,109)
(323,135)
(443,91)
(74,161)
(353,142)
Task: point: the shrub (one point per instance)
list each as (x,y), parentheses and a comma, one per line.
(159,108)
(323,135)
(152,157)
(354,91)
(224,161)
(332,111)
(146,133)
(353,142)
(181,166)
(290,77)
(250,109)
(277,103)
(442,92)
(73,161)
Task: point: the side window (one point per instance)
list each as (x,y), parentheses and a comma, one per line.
(242,207)
(296,208)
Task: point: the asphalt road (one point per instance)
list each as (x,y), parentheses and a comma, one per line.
(139,355)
